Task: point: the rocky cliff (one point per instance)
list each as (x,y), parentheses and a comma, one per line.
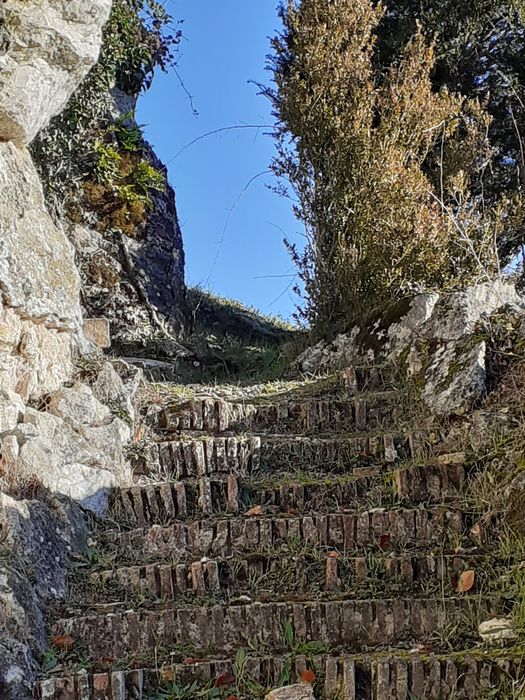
(110,192)
(62,432)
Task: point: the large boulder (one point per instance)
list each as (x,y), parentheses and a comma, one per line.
(433,338)
(79,456)
(51,45)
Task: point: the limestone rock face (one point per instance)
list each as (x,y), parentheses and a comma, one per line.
(39,284)
(455,378)
(51,45)
(42,536)
(292,692)
(137,283)
(37,271)
(433,339)
(116,385)
(456,315)
(74,452)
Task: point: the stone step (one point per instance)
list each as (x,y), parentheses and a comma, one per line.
(374,411)
(164,503)
(195,456)
(386,676)
(264,578)
(439,527)
(349,625)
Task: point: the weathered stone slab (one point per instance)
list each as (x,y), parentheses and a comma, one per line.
(292,692)
(98,332)
(52,44)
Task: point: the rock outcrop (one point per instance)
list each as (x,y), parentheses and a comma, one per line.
(61,442)
(131,260)
(439,340)
(51,45)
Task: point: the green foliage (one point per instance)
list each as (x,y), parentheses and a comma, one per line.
(146,177)
(127,134)
(189,691)
(386,170)
(130,180)
(107,163)
(83,141)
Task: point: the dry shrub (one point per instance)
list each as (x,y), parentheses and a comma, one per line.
(381,165)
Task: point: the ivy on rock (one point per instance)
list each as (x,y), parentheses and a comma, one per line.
(92,157)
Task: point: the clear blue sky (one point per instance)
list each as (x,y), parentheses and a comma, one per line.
(224,47)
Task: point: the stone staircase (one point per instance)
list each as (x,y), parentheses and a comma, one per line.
(271,537)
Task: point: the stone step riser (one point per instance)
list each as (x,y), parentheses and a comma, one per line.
(275,578)
(344,678)
(217,416)
(167,502)
(345,532)
(208,456)
(354,625)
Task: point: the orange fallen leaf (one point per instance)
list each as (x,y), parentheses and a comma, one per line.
(63,641)
(168,674)
(223,679)
(189,660)
(232,697)
(292,511)
(384,541)
(308,676)
(107,660)
(334,555)
(422,649)
(256,510)
(466,581)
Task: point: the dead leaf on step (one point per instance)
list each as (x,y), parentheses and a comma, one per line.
(334,555)
(308,676)
(421,649)
(256,510)
(384,541)
(107,661)
(224,679)
(476,533)
(466,581)
(63,641)
(167,674)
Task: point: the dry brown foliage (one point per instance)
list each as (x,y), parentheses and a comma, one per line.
(380,164)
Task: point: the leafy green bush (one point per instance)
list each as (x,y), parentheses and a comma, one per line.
(85,141)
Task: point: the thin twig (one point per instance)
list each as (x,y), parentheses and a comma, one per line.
(218,131)
(228,219)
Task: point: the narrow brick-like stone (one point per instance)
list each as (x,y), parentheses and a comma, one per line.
(347,677)
(359,623)
(232,503)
